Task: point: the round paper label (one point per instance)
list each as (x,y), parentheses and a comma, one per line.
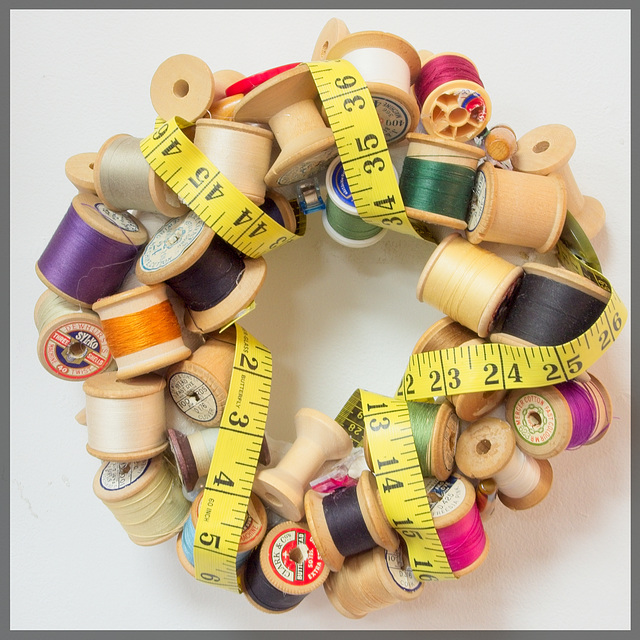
(193,397)
(445,496)
(294,557)
(122,219)
(534,419)
(118,475)
(400,570)
(394,118)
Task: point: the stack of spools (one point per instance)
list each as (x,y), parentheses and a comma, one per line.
(122,305)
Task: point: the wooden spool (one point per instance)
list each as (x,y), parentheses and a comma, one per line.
(547,150)
(125,180)
(287,102)
(79,171)
(486,449)
(332,32)
(520,209)
(389,65)
(318,439)
(223,105)
(468,283)
(125,419)
(501,143)
(372,510)
(285,209)
(127,303)
(447,333)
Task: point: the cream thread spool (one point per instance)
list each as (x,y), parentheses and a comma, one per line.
(389,65)
(487,449)
(287,102)
(241,152)
(468,283)
(71,344)
(145,497)
(371,581)
(547,150)
(501,143)
(348,521)
(125,419)
(332,32)
(318,439)
(515,208)
(125,180)
(126,305)
(79,171)
(446,333)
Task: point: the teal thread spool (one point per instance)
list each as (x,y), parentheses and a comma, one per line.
(437,180)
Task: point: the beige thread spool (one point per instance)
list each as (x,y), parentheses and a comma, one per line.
(389,65)
(79,171)
(71,344)
(145,497)
(332,32)
(468,283)
(125,419)
(547,150)
(487,449)
(318,439)
(501,142)
(287,102)
(446,333)
(127,304)
(125,180)
(371,581)
(520,209)
(372,517)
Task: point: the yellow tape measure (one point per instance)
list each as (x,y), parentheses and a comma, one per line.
(206,191)
(235,457)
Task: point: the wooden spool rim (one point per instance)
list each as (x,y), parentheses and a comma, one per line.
(461,148)
(79,171)
(259,515)
(337,603)
(240,127)
(537,495)
(185,462)
(128,456)
(332,32)
(58,292)
(317,523)
(285,208)
(428,341)
(445,434)
(106,385)
(183,558)
(560,144)
(460,511)
(373,512)
(407,101)
(224,78)
(155,293)
(608,405)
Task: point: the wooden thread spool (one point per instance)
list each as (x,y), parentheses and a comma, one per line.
(547,150)
(468,283)
(125,180)
(142,330)
(125,419)
(241,152)
(318,439)
(459,157)
(446,333)
(287,102)
(192,453)
(79,171)
(71,343)
(91,251)
(276,206)
(254,530)
(500,143)
(552,306)
(389,65)
(348,521)
(455,108)
(486,493)
(544,419)
(332,32)
(515,208)
(487,449)
(145,497)
(371,581)
(284,570)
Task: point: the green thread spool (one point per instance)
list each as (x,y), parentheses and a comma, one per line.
(349,226)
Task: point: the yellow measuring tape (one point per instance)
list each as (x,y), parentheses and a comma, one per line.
(235,458)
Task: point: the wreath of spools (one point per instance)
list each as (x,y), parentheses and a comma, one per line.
(323,514)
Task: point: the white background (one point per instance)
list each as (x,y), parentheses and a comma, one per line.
(334,318)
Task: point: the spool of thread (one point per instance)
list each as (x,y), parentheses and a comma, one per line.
(145,497)
(79,171)
(569,415)
(552,306)
(318,439)
(469,284)
(453,101)
(446,333)
(142,330)
(500,143)
(125,180)
(486,493)
(340,217)
(371,581)
(487,449)
(514,208)
(125,419)
(546,150)
(457,521)
(241,152)
(389,65)
(332,32)
(90,252)
(71,343)
(284,570)
(224,105)
(277,207)
(253,532)
(348,521)
(437,180)
(287,103)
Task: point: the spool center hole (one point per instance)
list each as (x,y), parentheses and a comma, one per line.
(458,116)
(534,419)
(180,88)
(91,166)
(483,446)
(541,147)
(298,555)
(325,47)
(77,349)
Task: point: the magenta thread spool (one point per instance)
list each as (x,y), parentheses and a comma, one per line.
(91,251)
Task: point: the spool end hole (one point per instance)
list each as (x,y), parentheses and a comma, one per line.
(534,419)
(180,88)
(541,147)
(458,116)
(484,446)
(91,166)
(77,350)
(325,48)
(298,555)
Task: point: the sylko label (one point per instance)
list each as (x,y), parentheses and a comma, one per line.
(118,475)
(121,219)
(444,496)
(534,419)
(478,197)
